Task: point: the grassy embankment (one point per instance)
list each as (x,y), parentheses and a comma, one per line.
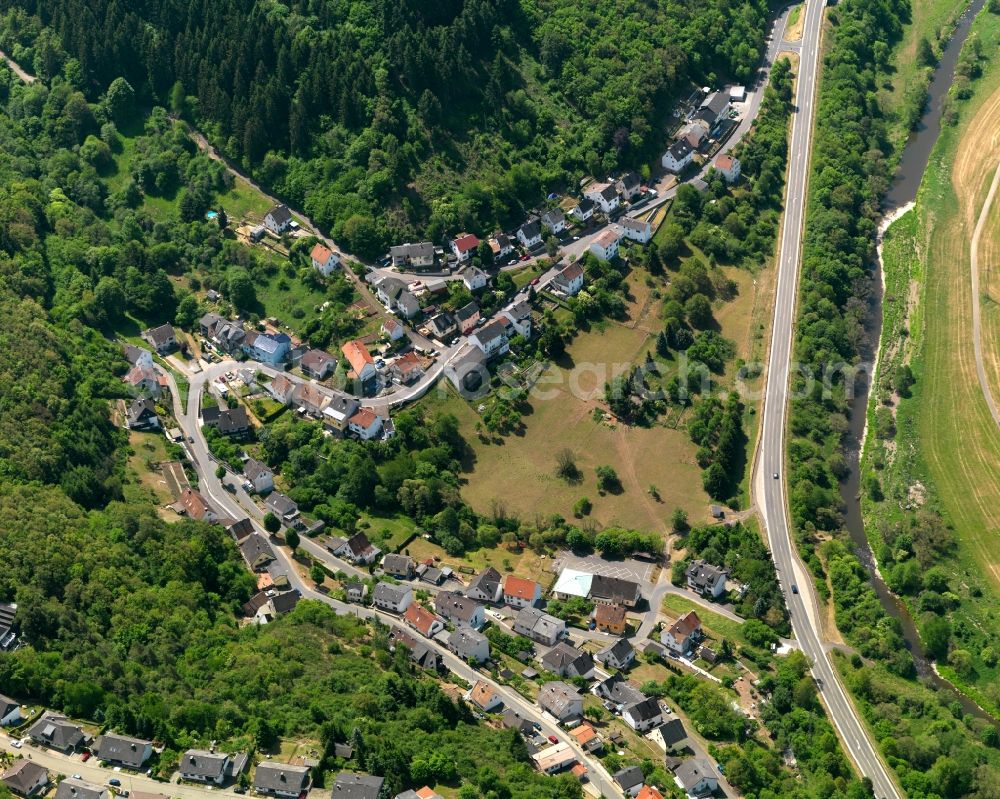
(943,456)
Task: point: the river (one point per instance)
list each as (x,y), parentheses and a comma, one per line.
(902,193)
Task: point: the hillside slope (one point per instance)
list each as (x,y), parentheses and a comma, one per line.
(405,115)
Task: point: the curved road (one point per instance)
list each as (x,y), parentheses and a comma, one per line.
(977,334)
(770,493)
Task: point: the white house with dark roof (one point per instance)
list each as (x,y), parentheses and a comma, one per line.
(392,597)
(460,610)
(628,185)
(416,256)
(619,655)
(487,586)
(643,715)
(318,364)
(519,316)
(677,156)
(500,245)
(539,626)
(280,779)
(357,786)
(671,736)
(358,549)
(561,701)
(121,750)
(259,475)
(570,280)
(696,777)
(278,219)
(637,229)
(73,788)
(474,278)
(25,778)
(161,338)
(565,660)
(56,732)
(492,338)
(555,221)
(706,578)
(10,712)
(630,779)
(470,645)
(583,210)
(282,506)
(197,765)
(530,234)
(604,196)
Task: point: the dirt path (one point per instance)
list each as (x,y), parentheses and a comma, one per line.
(27,77)
(977,340)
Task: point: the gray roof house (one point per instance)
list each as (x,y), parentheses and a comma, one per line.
(392,597)
(280,779)
(420,652)
(565,660)
(459,609)
(697,777)
(614,590)
(618,655)
(619,691)
(629,779)
(78,789)
(400,566)
(198,765)
(256,552)
(56,732)
(282,506)
(673,735)
(643,715)
(539,626)
(487,586)
(10,711)
(357,786)
(706,578)
(122,750)
(560,700)
(469,645)
(25,778)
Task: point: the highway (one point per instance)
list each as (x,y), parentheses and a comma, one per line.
(771,494)
(239,505)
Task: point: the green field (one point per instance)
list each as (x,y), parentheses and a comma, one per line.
(718,625)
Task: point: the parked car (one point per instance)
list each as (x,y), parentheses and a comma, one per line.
(553,739)
(85,756)
(536,281)
(525,257)
(16,744)
(114,782)
(77,777)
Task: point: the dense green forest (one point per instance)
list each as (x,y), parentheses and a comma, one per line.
(381,118)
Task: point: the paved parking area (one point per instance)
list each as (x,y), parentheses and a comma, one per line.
(628,569)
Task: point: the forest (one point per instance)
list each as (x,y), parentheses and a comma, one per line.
(385,119)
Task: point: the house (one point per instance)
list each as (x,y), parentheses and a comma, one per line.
(137,356)
(460,609)
(355,591)
(318,364)
(643,715)
(407,369)
(467,371)
(565,660)
(259,475)
(681,636)
(269,348)
(605,246)
(282,506)
(587,738)
(232,422)
(162,339)
(391,597)
(278,219)
(281,388)
(696,777)
(487,586)
(394,295)
(73,788)
(310,399)
(614,590)
(121,750)
(618,691)
(555,221)
(10,712)
(25,778)
(466,317)
(630,780)
(637,229)
(324,260)
(256,552)
(357,786)
(197,765)
(604,196)
(492,338)
(530,234)
(714,109)
(358,549)
(619,655)
(728,167)
(8,638)
(227,336)
(569,281)
(420,653)
(694,133)
(706,579)
(610,618)
(257,233)
(360,360)
(365,424)
(441,326)
(142,415)
(583,210)
(500,245)
(519,592)
(484,696)
(539,626)
(474,278)
(400,566)
(267,605)
(393,329)
(416,256)
(56,732)
(555,758)
(464,246)
(470,645)
(628,185)
(671,736)
(572,583)
(193,505)
(677,156)
(519,316)
(420,793)
(429,573)
(423,621)
(513,721)
(561,701)
(143,380)
(280,779)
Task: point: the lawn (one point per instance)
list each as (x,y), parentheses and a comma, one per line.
(387,532)
(287,298)
(149,449)
(716,625)
(525,563)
